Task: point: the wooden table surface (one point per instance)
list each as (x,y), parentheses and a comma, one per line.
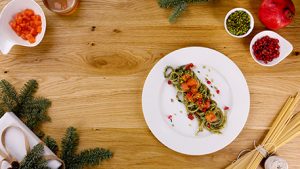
(95,78)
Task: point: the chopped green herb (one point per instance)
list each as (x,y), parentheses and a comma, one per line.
(238,23)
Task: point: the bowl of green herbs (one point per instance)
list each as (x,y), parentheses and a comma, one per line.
(239,22)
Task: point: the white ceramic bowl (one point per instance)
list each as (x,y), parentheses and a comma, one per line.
(251,22)
(285,47)
(8,36)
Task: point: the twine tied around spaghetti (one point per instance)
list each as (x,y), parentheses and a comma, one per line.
(260,148)
(7,157)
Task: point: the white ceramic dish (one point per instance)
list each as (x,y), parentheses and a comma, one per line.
(8,37)
(285,47)
(180,133)
(251,22)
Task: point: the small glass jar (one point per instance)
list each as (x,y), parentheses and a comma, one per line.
(62,7)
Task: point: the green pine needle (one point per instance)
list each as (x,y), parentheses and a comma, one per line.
(9,90)
(93,157)
(2,111)
(195,1)
(174,3)
(70,142)
(9,95)
(27,91)
(69,146)
(34,112)
(38,132)
(51,144)
(90,157)
(31,110)
(178,6)
(177,11)
(35,159)
(169,3)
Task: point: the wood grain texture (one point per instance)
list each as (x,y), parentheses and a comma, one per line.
(95,78)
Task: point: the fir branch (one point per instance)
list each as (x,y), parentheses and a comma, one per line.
(51,144)
(9,95)
(92,157)
(35,159)
(31,110)
(8,103)
(169,3)
(2,111)
(34,112)
(177,11)
(69,146)
(195,1)
(178,6)
(173,3)
(9,90)
(38,132)
(27,91)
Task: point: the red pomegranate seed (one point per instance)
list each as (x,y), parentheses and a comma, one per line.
(169,82)
(226,108)
(189,66)
(208,82)
(218,91)
(191,116)
(170,117)
(266,49)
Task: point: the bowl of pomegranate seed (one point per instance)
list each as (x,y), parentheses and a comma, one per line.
(268,48)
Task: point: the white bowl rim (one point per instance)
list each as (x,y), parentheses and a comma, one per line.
(251,22)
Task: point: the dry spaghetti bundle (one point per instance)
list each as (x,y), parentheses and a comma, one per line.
(285,127)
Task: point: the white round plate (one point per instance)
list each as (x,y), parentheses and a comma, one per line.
(167,118)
